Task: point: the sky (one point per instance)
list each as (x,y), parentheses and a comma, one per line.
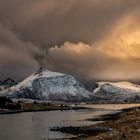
(90,39)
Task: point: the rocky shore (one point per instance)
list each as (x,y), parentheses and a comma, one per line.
(124,125)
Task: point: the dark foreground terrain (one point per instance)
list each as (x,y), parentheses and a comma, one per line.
(121,126)
(33,107)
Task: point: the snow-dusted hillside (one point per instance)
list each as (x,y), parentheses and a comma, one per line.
(47,85)
(118,92)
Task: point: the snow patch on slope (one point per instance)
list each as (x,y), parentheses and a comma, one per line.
(119,92)
(124,85)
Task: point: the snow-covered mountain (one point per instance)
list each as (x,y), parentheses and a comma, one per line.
(118,92)
(47,85)
(7,83)
(54,86)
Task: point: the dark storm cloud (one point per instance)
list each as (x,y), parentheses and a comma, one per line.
(30,27)
(48,22)
(16,56)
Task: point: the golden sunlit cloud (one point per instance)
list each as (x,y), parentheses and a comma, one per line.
(117,56)
(124,39)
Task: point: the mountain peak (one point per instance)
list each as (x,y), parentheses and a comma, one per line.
(40,70)
(9,81)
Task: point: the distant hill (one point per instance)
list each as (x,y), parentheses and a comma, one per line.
(117,92)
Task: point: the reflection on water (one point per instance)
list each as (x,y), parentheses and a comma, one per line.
(35,126)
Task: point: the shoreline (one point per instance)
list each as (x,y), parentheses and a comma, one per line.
(116,126)
(6,111)
(59,108)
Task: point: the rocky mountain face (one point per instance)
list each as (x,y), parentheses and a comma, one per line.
(119,92)
(7,83)
(47,85)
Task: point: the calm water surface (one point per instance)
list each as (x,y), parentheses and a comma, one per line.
(35,126)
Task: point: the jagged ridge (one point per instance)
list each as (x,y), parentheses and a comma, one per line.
(7,83)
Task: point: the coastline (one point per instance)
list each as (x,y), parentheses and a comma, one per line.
(6,111)
(124,125)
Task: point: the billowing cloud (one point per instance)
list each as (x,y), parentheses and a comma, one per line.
(116,57)
(92,39)
(90,63)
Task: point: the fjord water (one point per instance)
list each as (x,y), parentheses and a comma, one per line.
(35,126)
